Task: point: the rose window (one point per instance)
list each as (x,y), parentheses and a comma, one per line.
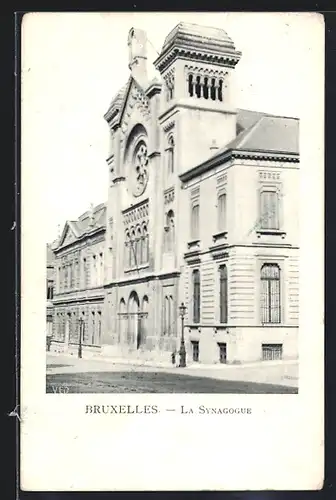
(140,169)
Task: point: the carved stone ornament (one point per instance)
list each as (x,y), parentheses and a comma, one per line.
(140,169)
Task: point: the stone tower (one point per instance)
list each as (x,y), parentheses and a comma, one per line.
(196,63)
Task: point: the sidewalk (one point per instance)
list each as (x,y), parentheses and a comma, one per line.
(272,372)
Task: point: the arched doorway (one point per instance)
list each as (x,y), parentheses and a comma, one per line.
(122,322)
(133,309)
(144,322)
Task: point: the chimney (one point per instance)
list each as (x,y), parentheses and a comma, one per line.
(213,146)
(137,47)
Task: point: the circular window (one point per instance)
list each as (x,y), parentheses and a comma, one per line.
(140,169)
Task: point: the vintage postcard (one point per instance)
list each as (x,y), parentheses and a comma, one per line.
(172,251)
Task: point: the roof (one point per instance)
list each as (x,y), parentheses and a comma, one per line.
(199,36)
(257,133)
(89,221)
(118,99)
(265,132)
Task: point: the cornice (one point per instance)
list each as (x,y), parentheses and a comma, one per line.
(276,156)
(219,57)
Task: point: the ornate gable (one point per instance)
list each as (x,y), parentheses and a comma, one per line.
(68,236)
(136,108)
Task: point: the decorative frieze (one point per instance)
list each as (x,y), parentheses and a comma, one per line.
(221,180)
(268,175)
(135,214)
(169,195)
(205,72)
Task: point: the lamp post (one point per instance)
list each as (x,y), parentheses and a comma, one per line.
(183,363)
(80,337)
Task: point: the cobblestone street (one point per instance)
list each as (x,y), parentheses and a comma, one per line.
(104,376)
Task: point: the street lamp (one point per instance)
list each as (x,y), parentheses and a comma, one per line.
(81,325)
(183,363)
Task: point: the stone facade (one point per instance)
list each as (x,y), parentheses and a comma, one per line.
(79,291)
(50,283)
(201,209)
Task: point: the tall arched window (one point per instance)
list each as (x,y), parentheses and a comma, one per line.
(138,247)
(170,153)
(223,294)
(127,254)
(132,249)
(190,85)
(196,295)
(122,322)
(145,248)
(170,232)
(270,294)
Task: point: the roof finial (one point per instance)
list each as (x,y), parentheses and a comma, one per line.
(91,215)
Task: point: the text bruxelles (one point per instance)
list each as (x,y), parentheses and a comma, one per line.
(121,409)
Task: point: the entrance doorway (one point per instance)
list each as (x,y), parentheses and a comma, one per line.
(222,353)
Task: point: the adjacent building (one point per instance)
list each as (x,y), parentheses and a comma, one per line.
(201,209)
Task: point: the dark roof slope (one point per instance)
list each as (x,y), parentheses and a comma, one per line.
(257,131)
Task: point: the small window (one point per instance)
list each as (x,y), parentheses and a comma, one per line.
(195,350)
(271,352)
(222,353)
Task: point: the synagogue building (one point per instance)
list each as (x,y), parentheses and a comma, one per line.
(201,209)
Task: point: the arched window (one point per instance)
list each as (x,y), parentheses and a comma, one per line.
(166,315)
(198,86)
(145,247)
(99,327)
(206,88)
(132,249)
(190,85)
(270,294)
(139,247)
(220,90)
(127,262)
(213,89)
(170,231)
(223,294)
(123,320)
(196,295)
(170,152)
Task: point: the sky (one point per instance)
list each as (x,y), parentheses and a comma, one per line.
(74,63)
